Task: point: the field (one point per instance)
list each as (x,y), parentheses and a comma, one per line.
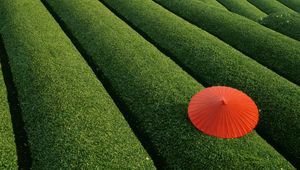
(243,8)
(8,158)
(270,6)
(293,4)
(92,84)
(285,23)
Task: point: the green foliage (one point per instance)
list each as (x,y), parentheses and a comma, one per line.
(71,121)
(213,3)
(216,63)
(155,90)
(8,155)
(271,49)
(244,8)
(271,6)
(285,23)
(293,4)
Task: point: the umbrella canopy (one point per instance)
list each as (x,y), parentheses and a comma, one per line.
(223,112)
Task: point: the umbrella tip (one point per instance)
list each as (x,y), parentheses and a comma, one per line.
(224,101)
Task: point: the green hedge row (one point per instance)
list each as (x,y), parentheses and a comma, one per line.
(71,121)
(270,6)
(293,4)
(244,8)
(285,23)
(272,49)
(213,3)
(8,154)
(216,63)
(155,90)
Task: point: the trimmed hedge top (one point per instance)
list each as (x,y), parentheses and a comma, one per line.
(293,4)
(213,62)
(274,50)
(271,6)
(155,90)
(285,23)
(244,8)
(213,3)
(8,154)
(71,121)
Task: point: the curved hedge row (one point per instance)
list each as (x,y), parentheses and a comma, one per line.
(270,6)
(272,49)
(213,3)
(216,63)
(244,8)
(71,121)
(292,4)
(285,23)
(8,154)
(156,90)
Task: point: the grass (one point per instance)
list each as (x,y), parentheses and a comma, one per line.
(243,8)
(155,90)
(213,3)
(292,4)
(71,121)
(8,154)
(272,49)
(270,6)
(285,23)
(215,63)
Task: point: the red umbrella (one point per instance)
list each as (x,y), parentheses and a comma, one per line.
(223,112)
